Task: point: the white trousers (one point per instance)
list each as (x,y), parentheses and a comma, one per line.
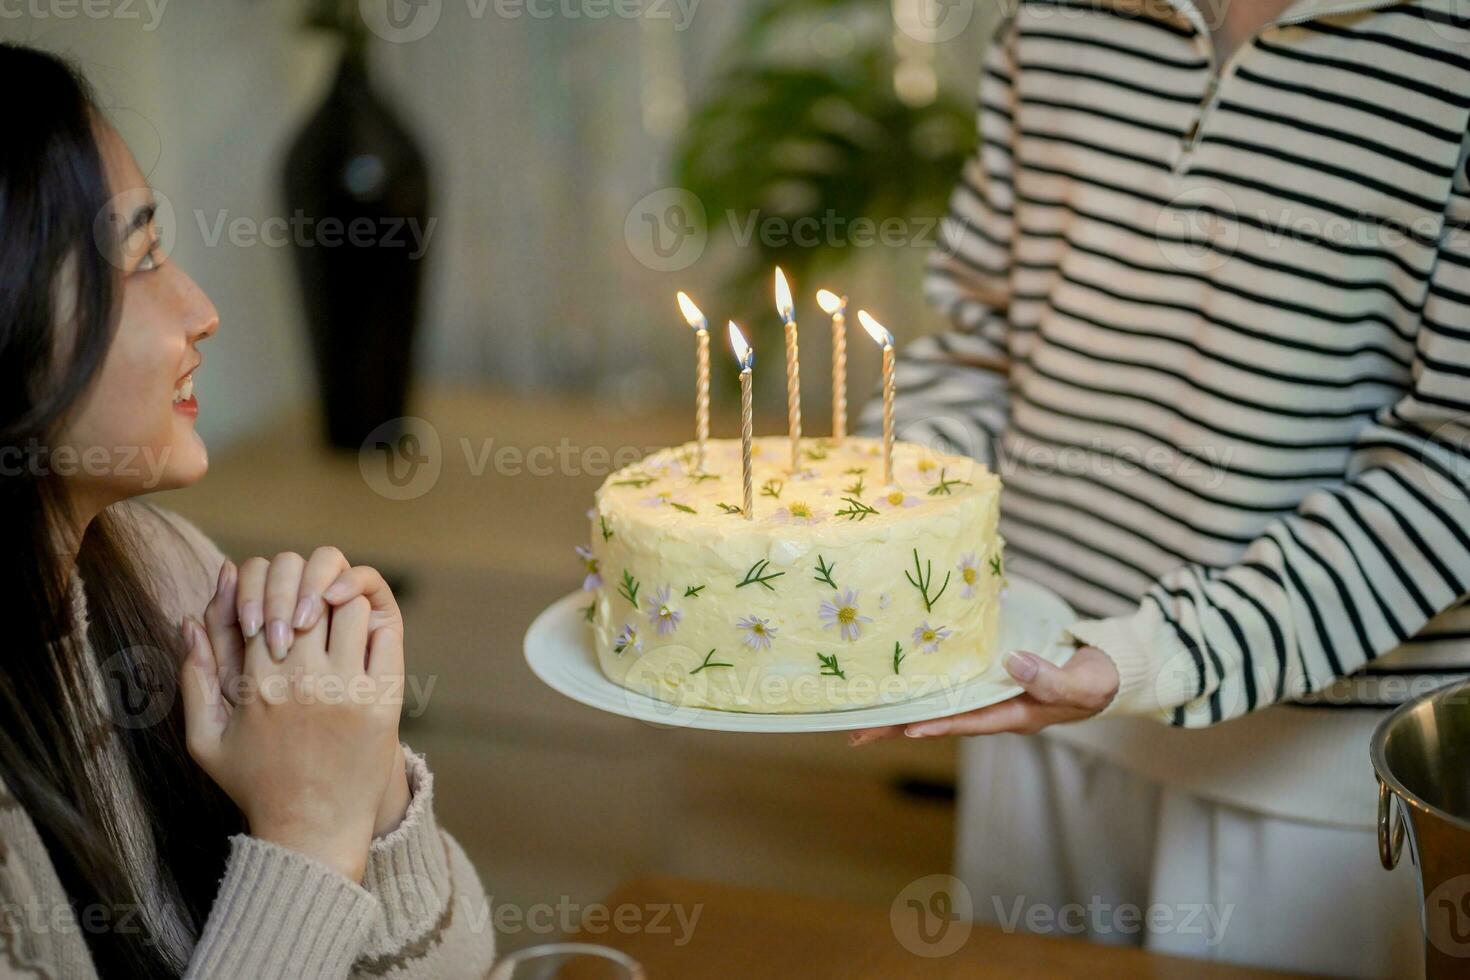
(1052,839)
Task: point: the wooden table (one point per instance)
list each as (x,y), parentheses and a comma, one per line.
(744,932)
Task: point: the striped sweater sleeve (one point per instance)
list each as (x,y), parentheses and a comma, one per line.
(1353,572)
(951,387)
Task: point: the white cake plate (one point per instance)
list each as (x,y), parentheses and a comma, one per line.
(560,651)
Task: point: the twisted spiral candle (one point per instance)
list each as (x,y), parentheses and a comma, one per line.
(787,309)
(888,387)
(836,307)
(701,399)
(793,395)
(746,358)
(746,428)
(701,395)
(839,377)
(880,335)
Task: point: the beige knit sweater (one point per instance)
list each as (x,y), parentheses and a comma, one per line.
(419,912)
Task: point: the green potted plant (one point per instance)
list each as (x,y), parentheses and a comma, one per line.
(820,137)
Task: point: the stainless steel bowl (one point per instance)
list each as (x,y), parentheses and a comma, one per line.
(1421,753)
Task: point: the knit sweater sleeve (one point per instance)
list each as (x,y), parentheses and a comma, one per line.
(419,913)
(952,387)
(433,915)
(279,913)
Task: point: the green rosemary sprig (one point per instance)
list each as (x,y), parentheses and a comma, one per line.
(824,572)
(856,509)
(684,507)
(829,666)
(944,485)
(701,477)
(757,576)
(729,508)
(855,470)
(629,589)
(995,566)
(772,488)
(857,488)
(606,531)
(693,591)
(587,613)
(709,663)
(640,481)
(923,577)
(898,656)
(815,453)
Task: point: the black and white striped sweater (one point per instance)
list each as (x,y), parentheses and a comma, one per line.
(1234,306)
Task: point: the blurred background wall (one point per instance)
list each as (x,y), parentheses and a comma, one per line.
(544,131)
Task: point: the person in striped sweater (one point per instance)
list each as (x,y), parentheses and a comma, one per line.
(1209,275)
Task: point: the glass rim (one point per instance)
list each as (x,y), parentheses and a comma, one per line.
(571,949)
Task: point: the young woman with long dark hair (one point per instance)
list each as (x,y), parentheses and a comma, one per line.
(200,773)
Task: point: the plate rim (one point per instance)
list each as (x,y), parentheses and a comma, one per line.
(770,723)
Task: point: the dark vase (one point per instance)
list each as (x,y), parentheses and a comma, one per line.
(357,195)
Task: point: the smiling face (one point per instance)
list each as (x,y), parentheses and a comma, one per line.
(134,433)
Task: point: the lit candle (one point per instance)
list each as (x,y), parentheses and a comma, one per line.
(746,358)
(880,335)
(836,307)
(787,309)
(701,393)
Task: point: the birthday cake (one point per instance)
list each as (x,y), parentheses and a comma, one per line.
(839,591)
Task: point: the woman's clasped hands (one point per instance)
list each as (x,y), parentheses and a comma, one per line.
(292,689)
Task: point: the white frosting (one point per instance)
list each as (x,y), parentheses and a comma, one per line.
(944,508)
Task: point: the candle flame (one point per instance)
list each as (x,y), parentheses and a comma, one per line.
(784,306)
(830,302)
(876,330)
(743,353)
(691,312)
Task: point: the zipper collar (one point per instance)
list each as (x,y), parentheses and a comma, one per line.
(1298,13)
(1305,10)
